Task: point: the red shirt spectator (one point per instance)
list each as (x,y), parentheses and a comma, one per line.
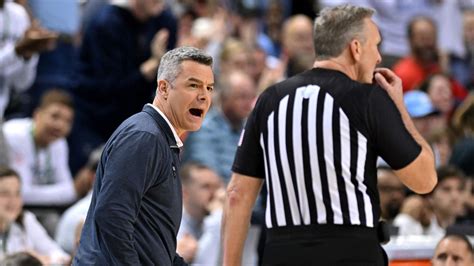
(424,59)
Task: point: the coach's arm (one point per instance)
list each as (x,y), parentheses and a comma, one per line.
(241,195)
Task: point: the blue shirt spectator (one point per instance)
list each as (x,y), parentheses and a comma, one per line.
(214,145)
(116,72)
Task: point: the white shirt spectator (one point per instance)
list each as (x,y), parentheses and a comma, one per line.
(207,233)
(15,72)
(32,236)
(70,220)
(45,175)
(407,225)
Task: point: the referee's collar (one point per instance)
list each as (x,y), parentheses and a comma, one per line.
(179,142)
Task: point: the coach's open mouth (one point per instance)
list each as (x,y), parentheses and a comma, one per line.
(196,112)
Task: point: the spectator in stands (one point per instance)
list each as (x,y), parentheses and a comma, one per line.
(432,120)
(273,21)
(19,45)
(18,50)
(21,259)
(74,216)
(234,55)
(203,198)
(455,250)
(186,21)
(463,150)
(265,70)
(445,203)
(441,143)
(214,145)
(194,31)
(116,73)
(467,216)
(20,231)
(462,68)
(447,199)
(424,115)
(54,67)
(38,152)
(297,44)
(250,31)
(89,9)
(425,58)
(391,191)
(414,216)
(438,88)
(259,61)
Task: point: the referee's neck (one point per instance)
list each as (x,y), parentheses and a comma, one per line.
(340,64)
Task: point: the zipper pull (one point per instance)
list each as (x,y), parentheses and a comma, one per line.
(174,170)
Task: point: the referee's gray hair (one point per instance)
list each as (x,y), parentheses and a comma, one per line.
(336,27)
(170,64)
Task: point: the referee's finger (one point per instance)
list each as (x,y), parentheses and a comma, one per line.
(385,71)
(381,80)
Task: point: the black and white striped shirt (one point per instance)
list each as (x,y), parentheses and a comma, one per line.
(315,138)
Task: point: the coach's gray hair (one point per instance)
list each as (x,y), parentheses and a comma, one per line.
(338,26)
(170,64)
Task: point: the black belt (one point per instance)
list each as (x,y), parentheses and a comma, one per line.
(288,233)
(383,232)
(320,231)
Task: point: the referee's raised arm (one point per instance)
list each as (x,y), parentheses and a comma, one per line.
(420,174)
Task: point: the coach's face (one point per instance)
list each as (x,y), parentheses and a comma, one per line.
(189,98)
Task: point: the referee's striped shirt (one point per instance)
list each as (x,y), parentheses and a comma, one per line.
(315,139)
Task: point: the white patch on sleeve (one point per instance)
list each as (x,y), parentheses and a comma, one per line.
(241,139)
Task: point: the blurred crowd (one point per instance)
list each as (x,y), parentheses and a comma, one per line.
(72,70)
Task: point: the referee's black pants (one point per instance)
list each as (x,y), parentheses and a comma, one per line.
(324,245)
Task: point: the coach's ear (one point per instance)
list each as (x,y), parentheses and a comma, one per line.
(163,88)
(355,48)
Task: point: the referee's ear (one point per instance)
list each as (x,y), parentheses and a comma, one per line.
(355,48)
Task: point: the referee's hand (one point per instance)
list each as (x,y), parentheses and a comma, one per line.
(391,83)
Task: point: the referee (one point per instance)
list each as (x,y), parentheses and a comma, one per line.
(315,139)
